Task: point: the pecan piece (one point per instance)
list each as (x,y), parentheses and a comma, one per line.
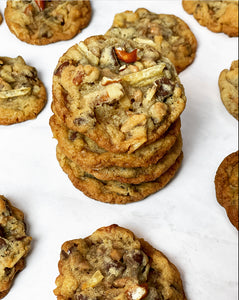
(128,57)
(29,10)
(60,68)
(40,4)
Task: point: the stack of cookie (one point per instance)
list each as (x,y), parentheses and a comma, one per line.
(117,106)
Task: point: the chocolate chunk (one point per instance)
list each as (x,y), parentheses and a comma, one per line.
(138,257)
(64,255)
(164,88)
(2,234)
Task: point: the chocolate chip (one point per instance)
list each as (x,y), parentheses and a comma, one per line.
(164,88)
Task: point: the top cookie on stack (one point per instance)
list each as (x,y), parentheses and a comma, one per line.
(119,93)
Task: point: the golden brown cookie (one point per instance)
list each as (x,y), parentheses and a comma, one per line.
(14,244)
(119,93)
(22,94)
(228,85)
(218,16)
(41,22)
(168,33)
(226,184)
(0,18)
(139,174)
(113,264)
(86,152)
(113,191)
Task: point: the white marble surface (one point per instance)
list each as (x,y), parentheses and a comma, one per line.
(183,220)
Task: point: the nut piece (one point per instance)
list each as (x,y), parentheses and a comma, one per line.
(93,281)
(137,292)
(158,111)
(94,60)
(15,93)
(146,76)
(116,254)
(128,57)
(40,4)
(134,121)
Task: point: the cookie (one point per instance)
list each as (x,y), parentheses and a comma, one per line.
(41,22)
(0,18)
(139,174)
(86,152)
(226,184)
(168,33)
(14,244)
(113,191)
(217,16)
(119,93)
(228,85)
(114,264)
(22,94)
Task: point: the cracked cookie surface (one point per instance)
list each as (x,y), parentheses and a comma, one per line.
(14,244)
(228,85)
(226,184)
(86,152)
(168,33)
(22,94)
(119,93)
(114,192)
(217,16)
(113,264)
(41,22)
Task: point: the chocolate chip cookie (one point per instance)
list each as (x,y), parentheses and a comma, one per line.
(113,264)
(226,184)
(113,191)
(41,22)
(228,85)
(86,152)
(119,93)
(217,16)
(22,94)
(14,244)
(168,33)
